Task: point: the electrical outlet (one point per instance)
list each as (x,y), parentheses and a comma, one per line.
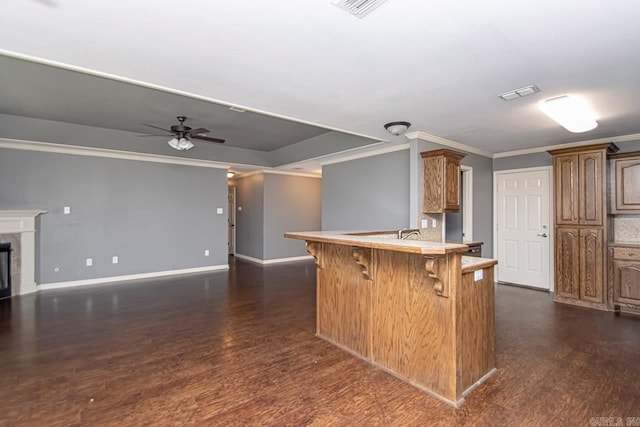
(114,259)
(66,210)
(219,211)
(89,262)
(434,223)
(239,208)
(425,223)
(206,252)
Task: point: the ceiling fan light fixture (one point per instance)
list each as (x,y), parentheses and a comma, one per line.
(571,112)
(397,128)
(181,144)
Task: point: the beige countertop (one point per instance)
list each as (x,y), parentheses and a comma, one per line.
(472,263)
(378,240)
(470,243)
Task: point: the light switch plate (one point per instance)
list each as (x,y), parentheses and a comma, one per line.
(434,222)
(219,211)
(425,223)
(114,259)
(206,252)
(66,210)
(478,275)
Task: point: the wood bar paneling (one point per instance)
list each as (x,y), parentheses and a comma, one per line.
(402,312)
(413,327)
(476,329)
(345,294)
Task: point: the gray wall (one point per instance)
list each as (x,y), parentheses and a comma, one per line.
(291,203)
(482,200)
(367,194)
(250,219)
(273,204)
(154,217)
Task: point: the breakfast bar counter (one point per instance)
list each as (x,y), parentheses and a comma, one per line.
(419,310)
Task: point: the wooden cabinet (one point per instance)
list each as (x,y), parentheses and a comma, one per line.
(579,261)
(592,256)
(441,181)
(626,173)
(580,194)
(626,278)
(580,185)
(567,267)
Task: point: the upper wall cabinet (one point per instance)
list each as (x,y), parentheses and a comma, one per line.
(441,181)
(580,184)
(626,195)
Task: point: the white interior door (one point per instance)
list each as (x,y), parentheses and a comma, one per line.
(524,231)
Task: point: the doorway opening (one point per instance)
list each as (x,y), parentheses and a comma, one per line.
(459,226)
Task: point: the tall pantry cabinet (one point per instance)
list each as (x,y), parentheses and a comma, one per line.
(581,224)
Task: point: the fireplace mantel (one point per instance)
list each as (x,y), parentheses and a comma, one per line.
(23,222)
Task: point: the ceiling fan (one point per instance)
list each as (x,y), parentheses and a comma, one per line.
(182,135)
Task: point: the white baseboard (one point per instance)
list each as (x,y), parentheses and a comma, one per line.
(273,261)
(113,279)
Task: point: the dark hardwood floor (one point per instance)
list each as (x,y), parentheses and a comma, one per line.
(238,348)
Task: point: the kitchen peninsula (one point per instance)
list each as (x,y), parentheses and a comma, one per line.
(419,310)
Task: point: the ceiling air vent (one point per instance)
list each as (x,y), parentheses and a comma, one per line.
(358,8)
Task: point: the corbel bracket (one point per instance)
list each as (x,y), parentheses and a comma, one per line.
(364,258)
(433,265)
(315,250)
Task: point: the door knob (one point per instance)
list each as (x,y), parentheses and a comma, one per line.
(542,235)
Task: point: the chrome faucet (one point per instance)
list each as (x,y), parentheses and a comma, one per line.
(409,231)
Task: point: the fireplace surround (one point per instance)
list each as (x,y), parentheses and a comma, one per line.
(19,227)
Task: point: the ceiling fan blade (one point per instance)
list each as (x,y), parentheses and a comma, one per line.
(157,127)
(199,131)
(161,136)
(208,139)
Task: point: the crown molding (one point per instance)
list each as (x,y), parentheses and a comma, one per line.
(275,172)
(448,143)
(76,150)
(616,139)
(362,155)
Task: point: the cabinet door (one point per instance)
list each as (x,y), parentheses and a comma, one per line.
(433,189)
(566,188)
(591,265)
(592,184)
(567,271)
(452,185)
(626,282)
(627,195)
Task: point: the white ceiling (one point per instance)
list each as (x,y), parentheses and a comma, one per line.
(439,64)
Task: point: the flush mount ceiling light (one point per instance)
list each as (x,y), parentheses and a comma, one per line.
(571,112)
(181,144)
(358,8)
(230,174)
(397,128)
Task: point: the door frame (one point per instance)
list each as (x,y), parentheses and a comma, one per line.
(231,217)
(552,217)
(467,212)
